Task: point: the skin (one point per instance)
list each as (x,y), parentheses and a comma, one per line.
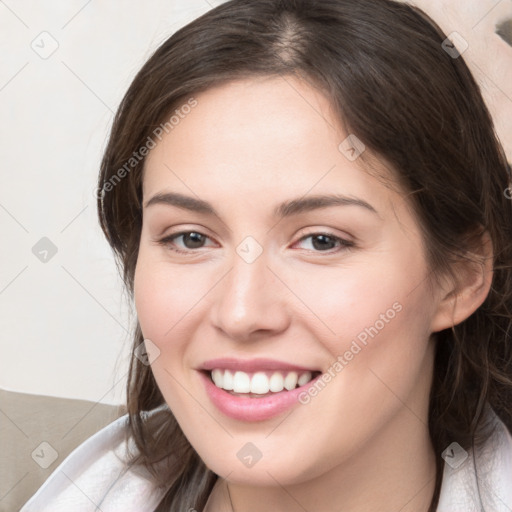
(362,443)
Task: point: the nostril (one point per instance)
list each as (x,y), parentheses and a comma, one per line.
(504,30)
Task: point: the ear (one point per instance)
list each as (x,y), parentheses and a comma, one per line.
(460,299)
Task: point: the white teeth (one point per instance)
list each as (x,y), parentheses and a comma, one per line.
(217,376)
(228,380)
(241,383)
(304,378)
(290,381)
(260,382)
(276,382)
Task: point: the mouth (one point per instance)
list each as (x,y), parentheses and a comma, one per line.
(261,383)
(255,390)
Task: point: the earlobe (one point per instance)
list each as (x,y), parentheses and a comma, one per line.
(474,276)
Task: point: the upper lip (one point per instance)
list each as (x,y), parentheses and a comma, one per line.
(252,365)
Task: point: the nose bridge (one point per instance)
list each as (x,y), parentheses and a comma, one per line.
(250,297)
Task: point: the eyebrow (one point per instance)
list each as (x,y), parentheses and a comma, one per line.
(285,209)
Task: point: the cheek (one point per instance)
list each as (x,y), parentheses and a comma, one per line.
(374,320)
(356,301)
(380,352)
(164,301)
(163,296)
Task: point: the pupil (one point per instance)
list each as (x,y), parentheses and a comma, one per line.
(192,236)
(321,245)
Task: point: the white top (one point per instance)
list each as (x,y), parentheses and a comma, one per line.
(93,478)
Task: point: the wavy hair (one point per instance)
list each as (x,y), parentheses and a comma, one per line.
(383,66)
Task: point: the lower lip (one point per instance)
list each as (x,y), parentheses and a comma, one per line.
(253,409)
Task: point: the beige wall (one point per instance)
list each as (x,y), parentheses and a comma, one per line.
(488,55)
(63,322)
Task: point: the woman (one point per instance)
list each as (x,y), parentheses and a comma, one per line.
(308,202)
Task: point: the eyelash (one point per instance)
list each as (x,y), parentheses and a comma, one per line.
(343,244)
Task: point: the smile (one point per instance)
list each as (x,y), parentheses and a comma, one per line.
(255,390)
(259,383)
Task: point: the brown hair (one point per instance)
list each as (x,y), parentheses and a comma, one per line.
(388,77)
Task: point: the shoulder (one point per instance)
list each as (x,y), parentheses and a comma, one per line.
(96,476)
(480,477)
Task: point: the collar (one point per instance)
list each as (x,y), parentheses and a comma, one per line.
(481,478)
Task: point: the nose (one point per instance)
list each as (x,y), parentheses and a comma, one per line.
(250,301)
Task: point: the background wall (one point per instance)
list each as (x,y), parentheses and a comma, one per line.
(64,324)
(484,30)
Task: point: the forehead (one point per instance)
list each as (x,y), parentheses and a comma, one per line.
(259,111)
(265,134)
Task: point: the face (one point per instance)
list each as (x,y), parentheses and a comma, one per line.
(339,290)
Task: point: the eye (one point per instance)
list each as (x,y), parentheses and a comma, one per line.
(323,242)
(191,240)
